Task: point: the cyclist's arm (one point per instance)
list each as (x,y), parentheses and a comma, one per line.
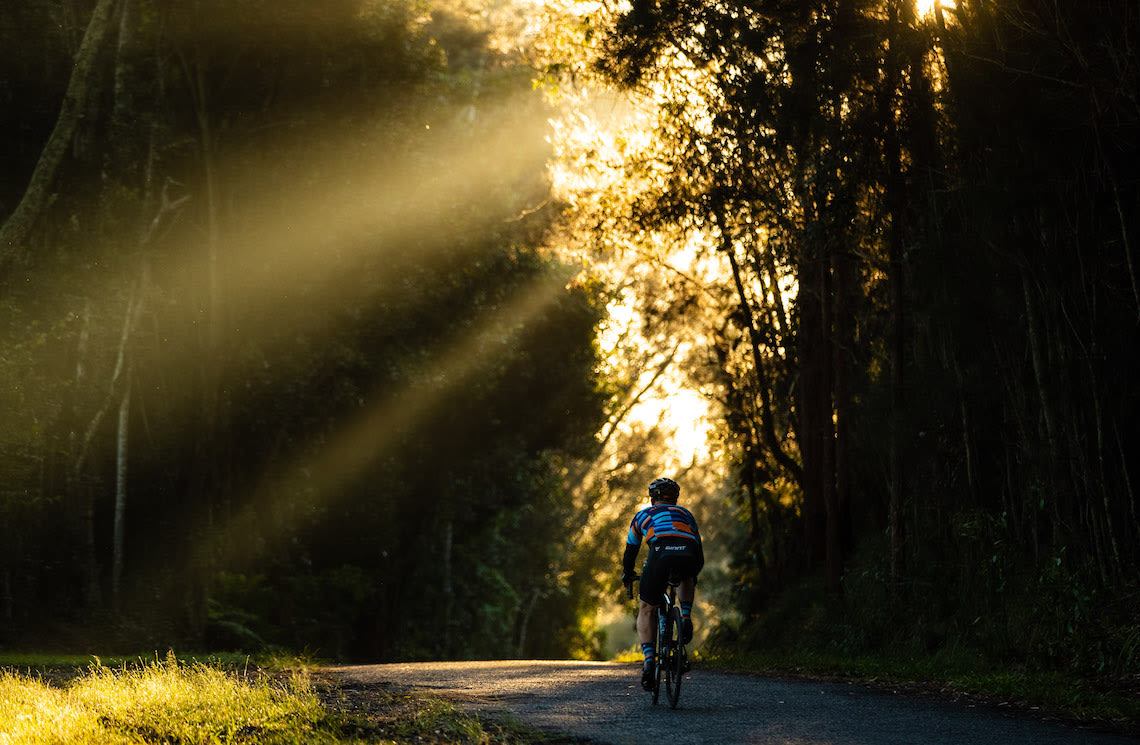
(632,546)
(697,537)
(630,557)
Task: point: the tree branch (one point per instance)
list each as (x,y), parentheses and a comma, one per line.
(19,224)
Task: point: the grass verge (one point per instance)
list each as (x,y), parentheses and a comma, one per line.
(218,699)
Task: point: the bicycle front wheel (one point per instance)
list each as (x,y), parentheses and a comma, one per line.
(675,656)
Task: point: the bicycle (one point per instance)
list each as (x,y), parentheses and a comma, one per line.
(669,659)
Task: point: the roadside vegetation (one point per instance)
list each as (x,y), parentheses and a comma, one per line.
(931,447)
(1049,695)
(323,327)
(860,638)
(229,698)
(218,699)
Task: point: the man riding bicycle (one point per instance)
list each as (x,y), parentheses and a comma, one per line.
(674,543)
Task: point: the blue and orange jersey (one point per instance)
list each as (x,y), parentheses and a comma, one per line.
(662,521)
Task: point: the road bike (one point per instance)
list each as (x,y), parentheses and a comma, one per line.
(670,663)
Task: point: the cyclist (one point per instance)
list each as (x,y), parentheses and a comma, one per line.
(674,542)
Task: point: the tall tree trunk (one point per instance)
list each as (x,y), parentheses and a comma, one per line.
(80,92)
(447,581)
(79,498)
(130,87)
(7,600)
(1052,478)
(119,522)
(118,391)
(748,473)
(524,623)
(846,281)
(814,418)
(210,490)
(833,551)
(810,415)
(767,425)
(895,202)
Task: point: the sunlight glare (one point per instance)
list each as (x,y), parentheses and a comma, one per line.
(924,8)
(684,415)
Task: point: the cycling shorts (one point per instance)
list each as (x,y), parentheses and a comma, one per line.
(684,558)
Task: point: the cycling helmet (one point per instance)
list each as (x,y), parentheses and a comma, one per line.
(663,488)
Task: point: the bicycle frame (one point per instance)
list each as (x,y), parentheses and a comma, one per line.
(669,659)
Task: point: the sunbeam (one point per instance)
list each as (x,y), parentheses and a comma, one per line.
(306,237)
(389,414)
(298,251)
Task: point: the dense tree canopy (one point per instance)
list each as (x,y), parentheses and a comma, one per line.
(282,360)
(921,313)
(286,358)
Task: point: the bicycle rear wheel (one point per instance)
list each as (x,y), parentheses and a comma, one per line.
(658,657)
(675,656)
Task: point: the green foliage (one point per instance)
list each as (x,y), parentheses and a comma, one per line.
(933,641)
(948,398)
(315,609)
(307,244)
(1039,641)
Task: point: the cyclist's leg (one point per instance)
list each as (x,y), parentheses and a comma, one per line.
(646,634)
(686,594)
(687,590)
(650,592)
(646,621)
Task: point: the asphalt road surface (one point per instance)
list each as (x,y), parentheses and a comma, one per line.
(603,703)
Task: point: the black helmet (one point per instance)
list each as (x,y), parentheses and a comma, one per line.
(663,488)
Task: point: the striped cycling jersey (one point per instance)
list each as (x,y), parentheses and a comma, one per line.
(662,521)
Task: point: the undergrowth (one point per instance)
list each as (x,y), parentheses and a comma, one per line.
(1007,649)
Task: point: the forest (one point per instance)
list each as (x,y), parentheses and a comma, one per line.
(283,362)
(358,326)
(898,236)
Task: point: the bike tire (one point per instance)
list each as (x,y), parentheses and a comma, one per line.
(675,657)
(658,659)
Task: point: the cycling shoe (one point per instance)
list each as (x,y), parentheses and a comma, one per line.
(648,677)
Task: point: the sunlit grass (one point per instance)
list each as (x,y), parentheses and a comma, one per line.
(226,701)
(167,701)
(32,712)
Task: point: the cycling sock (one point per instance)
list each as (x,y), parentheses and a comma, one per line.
(647,650)
(686,609)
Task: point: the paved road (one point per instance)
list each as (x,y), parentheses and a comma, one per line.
(603,703)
